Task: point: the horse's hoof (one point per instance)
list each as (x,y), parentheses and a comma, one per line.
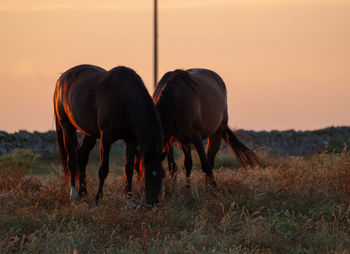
(173,174)
(73,194)
(82,194)
(187,191)
(174,178)
(130,204)
(98,198)
(188,183)
(209,180)
(143,198)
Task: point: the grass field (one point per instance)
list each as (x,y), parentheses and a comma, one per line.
(292,205)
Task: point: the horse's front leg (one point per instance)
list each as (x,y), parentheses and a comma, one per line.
(131,150)
(105,146)
(186,149)
(171,162)
(83,157)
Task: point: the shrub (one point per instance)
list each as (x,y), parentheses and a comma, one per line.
(20,157)
(337,145)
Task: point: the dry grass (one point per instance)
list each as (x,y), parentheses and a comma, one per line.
(293,205)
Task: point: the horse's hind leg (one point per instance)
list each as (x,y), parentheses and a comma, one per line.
(214,144)
(83,156)
(105,146)
(198,144)
(70,144)
(187,161)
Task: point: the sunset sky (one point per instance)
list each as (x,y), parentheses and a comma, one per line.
(286,63)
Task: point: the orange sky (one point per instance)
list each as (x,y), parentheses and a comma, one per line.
(286,63)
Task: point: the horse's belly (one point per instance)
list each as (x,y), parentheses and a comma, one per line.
(211,119)
(83,119)
(209,130)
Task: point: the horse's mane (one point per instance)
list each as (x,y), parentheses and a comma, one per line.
(164,96)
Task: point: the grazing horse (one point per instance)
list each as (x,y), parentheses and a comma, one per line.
(109,105)
(192,106)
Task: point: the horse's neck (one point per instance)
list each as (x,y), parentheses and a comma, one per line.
(148,131)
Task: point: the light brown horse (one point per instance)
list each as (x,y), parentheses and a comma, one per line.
(192,105)
(108,105)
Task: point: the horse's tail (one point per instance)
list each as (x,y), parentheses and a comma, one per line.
(61,149)
(245,156)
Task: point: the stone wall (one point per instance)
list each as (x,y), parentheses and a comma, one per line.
(283,142)
(43,143)
(293,142)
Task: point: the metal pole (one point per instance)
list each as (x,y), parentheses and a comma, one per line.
(155,43)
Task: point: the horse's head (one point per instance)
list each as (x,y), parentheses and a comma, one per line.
(152,174)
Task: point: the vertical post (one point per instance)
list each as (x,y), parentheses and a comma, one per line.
(155,43)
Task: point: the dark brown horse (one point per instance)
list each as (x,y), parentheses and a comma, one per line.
(108,105)
(192,105)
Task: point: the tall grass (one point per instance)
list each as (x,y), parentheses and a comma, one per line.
(292,205)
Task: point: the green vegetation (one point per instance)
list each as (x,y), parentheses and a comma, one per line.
(337,145)
(293,205)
